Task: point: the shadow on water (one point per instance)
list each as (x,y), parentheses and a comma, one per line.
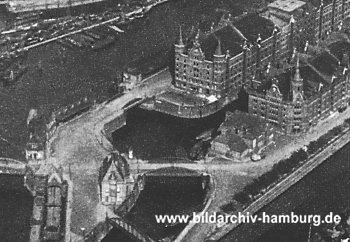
(117,234)
(161,196)
(16,205)
(156,136)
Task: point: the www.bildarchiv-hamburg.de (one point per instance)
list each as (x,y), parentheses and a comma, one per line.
(293,218)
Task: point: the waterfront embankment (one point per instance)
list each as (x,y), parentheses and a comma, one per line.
(289,181)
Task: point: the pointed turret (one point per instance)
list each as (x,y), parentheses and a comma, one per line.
(297,71)
(196,48)
(180,42)
(218,51)
(179,46)
(196,43)
(297,82)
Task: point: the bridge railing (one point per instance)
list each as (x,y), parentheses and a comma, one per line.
(198,111)
(12,163)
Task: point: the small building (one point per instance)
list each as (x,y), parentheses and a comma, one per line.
(55,207)
(230,145)
(242,134)
(50,204)
(286,8)
(115,181)
(140,69)
(35,147)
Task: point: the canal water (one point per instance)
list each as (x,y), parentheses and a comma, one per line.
(158,137)
(16,205)
(165,196)
(324,190)
(68,75)
(58,76)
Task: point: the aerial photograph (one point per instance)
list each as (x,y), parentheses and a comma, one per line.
(174,120)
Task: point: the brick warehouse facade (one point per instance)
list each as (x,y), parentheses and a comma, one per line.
(297,103)
(220,62)
(213,64)
(251,51)
(329,17)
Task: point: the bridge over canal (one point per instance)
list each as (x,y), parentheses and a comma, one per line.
(12,167)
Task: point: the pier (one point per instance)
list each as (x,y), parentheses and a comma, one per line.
(44,42)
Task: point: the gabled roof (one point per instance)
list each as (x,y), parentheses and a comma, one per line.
(325,63)
(339,48)
(119,163)
(317,72)
(233,35)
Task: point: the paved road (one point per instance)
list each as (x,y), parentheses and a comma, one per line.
(76,146)
(289,181)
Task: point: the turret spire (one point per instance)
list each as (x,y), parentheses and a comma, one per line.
(297,71)
(196,40)
(218,51)
(180,38)
(297,82)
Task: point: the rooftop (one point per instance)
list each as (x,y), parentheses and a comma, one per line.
(340,48)
(315,74)
(233,141)
(232,36)
(119,162)
(287,5)
(253,126)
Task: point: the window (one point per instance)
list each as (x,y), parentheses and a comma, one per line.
(118,194)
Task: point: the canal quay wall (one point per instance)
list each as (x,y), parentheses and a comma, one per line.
(103,228)
(130,201)
(207,201)
(225,234)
